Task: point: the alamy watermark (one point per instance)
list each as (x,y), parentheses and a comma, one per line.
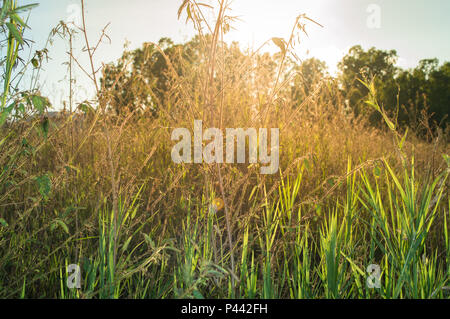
(213,152)
(374,278)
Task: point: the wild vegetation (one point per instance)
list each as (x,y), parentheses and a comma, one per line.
(363,174)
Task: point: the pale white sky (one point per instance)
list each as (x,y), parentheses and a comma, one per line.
(417,29)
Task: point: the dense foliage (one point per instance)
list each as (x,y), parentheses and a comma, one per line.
(95,186)
(412,96)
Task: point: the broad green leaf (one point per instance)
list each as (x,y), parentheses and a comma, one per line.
(44,185)
(63,225)
(24,8)
(35,62)
(3,222)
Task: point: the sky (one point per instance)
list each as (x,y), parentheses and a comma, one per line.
(416,29)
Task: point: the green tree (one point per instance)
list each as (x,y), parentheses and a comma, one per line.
(371,64)
(425,89)
(309,73)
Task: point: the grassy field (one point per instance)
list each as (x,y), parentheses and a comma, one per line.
(98,189)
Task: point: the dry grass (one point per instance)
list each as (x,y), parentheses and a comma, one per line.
(104,168)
